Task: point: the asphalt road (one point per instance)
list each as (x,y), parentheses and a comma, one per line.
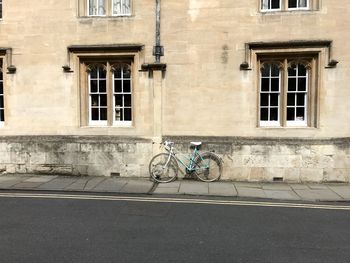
(34,230)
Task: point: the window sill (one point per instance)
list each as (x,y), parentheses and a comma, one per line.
(288,11)
(287,128)
(114,17)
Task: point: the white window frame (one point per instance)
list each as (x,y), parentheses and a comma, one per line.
(304,122)
(123,3)
(97,4)
(283,93)
(270,123)
(94,122)
(122,123)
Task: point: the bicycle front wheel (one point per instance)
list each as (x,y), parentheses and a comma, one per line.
(209,167)
(162,170)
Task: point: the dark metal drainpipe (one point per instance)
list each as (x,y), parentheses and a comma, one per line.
(158,49)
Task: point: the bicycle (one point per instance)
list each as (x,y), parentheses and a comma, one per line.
(163,167)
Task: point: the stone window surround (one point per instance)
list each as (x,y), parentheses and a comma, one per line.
(284,61)
(79,54)
(313,5)
(320,49)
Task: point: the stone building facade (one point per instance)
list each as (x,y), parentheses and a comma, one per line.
(88,86)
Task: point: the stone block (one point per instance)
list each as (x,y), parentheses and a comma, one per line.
(11,168)
(292,175)
(37,158)
(3,147)
(273,172)
(311,175)
(336,175)
(317,161)
(256,174)
(5,157)
(341,161)
(73,147)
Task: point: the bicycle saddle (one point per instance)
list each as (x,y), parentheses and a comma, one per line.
(196,143)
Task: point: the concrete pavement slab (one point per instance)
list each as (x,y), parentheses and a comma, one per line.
(6,178)
(137,187)
(250,192)
(318,195)
(342,190)
(194,188)
(93,182)
(59,183)
(111,185)
(247,185)
(40,179)
(26,185)
(9,183)
(276,186)
(78,185)
(299,186)
(222,189)
(282,195)
(317,186)
(166,190)
(175,184)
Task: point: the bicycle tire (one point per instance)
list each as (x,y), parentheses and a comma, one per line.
(162,174)
(209,167)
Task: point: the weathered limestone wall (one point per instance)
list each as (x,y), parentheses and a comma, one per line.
(292,160)
(287,159)
(69,155)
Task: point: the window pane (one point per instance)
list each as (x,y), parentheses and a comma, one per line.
(118,100)
(118,74)
(303,3)
(274,114)
(1,101)
(292,71)
(274,99)
(265,71)
(127,114)
(302,84)
(264,114)
(275,71)
(1,87)
(126,86)
(291,99)
(1,75)
(290,114)
(1,10)
(95,100)
(103,114)
(101,7)
(300,114)
(292,84)
(118,114)
(127,100)
(103,100)
(275,4)
(102,85)
(117,86)
(93,86)
(264,99)
(275,84)
(94,114)
(102,73)
(2,117)
(93,73)
(126,73)
(265,84)
(301,99)
(292,3)
(301,70)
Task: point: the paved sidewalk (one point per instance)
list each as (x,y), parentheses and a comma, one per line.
(279,191)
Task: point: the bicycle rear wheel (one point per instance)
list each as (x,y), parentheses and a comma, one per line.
(161,170)
(209,167)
